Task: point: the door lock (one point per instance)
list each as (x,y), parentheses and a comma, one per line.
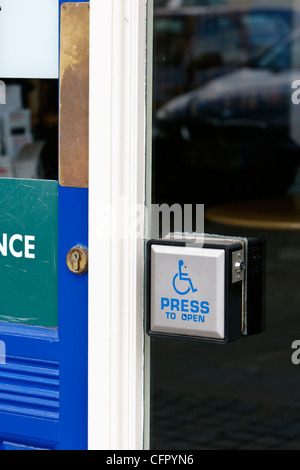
(77,259)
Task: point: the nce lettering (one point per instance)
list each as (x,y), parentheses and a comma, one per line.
(18,246)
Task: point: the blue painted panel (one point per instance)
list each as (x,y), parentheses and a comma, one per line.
(14,446)
(29,387)
(72,321)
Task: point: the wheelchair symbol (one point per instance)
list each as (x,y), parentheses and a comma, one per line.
(180,279)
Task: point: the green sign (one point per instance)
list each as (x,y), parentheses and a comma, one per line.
(28,252)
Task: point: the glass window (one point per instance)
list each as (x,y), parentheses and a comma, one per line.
(29,129)
(265,29)
(217,44)
(226,134)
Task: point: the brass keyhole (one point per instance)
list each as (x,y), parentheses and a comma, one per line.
(77,259)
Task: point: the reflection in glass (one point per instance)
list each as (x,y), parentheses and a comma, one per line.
(29,129)
(226,130)
(223,99)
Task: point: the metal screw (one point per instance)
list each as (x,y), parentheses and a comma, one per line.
(239,266)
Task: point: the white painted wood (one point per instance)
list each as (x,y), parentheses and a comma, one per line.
(116,254)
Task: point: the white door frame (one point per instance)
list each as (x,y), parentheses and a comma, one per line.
(118,120)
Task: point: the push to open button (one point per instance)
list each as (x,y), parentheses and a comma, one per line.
(202,291)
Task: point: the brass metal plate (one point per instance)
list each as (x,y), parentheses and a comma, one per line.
(74,95)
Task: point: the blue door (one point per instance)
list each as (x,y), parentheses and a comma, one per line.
(44,215)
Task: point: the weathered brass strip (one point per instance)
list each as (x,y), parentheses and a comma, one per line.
(74,95)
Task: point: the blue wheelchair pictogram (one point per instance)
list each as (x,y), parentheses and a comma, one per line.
(180,281)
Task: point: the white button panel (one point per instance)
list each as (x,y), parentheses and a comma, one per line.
(188,291)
